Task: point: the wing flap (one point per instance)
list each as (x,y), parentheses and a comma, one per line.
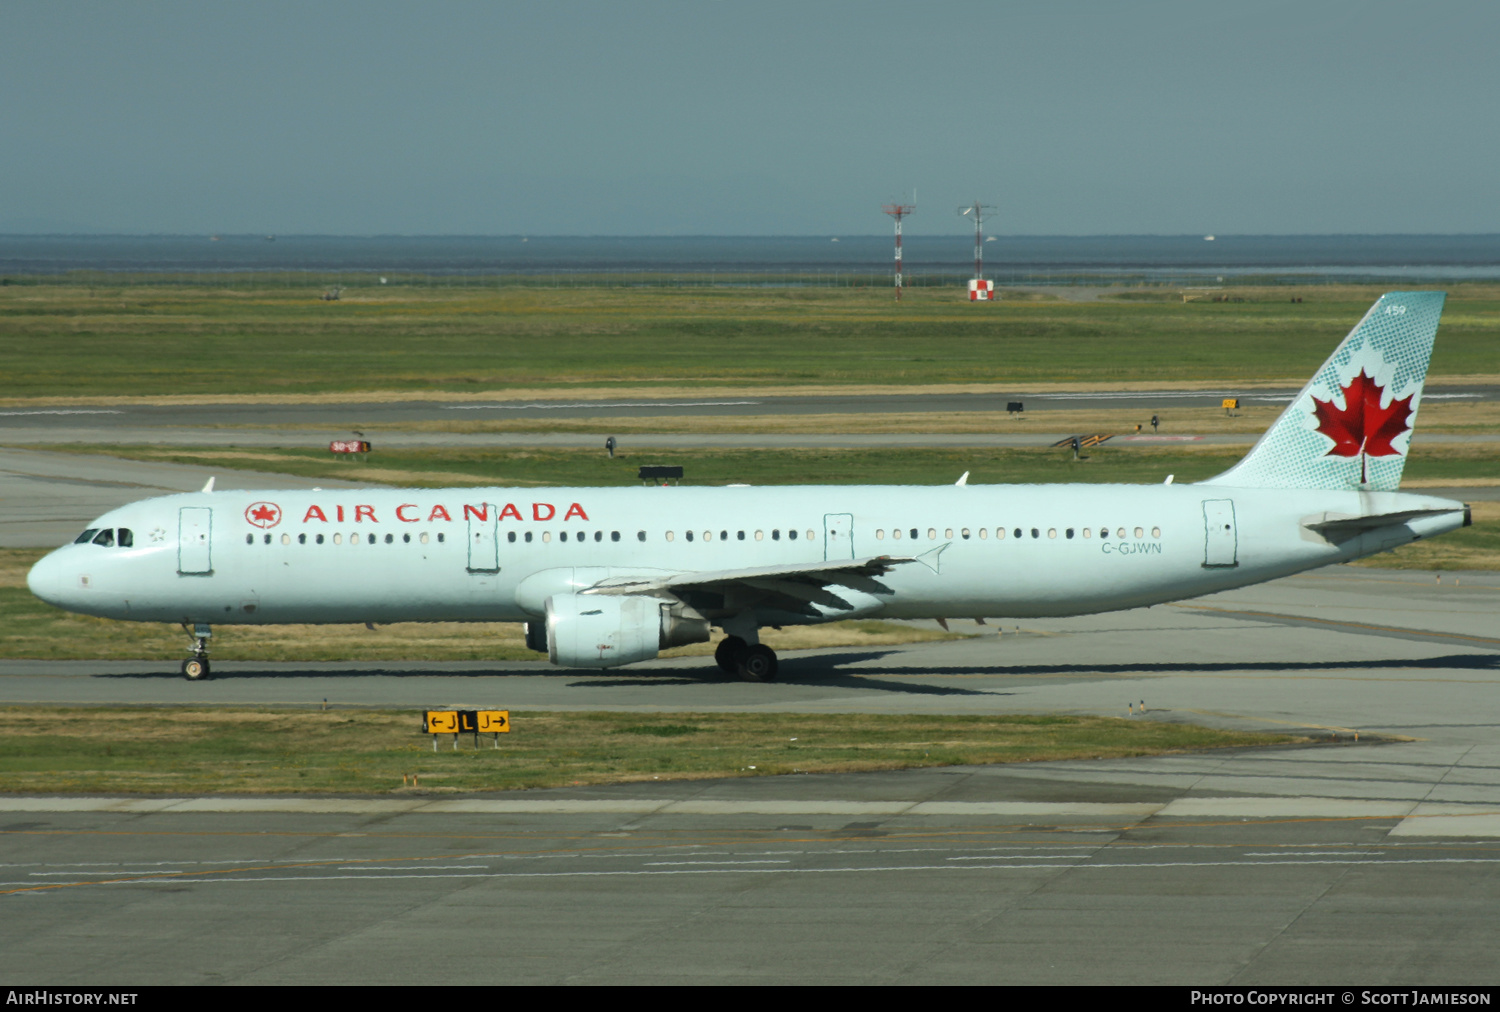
(853,573)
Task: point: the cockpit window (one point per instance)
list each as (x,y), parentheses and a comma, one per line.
(105,537)
(86,536)
(125,538)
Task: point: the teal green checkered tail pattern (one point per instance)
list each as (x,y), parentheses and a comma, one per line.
(1351,426)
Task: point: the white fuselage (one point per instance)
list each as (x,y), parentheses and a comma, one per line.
(382,555)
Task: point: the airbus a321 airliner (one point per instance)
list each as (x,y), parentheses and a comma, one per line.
(610,576)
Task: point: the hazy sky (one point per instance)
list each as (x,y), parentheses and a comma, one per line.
(744,118)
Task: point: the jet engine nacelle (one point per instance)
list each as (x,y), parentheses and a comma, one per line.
(604,630)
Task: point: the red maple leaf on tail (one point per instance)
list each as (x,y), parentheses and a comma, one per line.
(1362,427)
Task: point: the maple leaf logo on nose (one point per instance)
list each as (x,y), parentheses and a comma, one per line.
(263,514)
(1362,425)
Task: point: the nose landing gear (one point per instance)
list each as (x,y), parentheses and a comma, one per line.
(195,668)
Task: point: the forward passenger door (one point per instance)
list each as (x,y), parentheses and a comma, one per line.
(195,528)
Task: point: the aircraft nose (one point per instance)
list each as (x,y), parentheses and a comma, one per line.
(48,580)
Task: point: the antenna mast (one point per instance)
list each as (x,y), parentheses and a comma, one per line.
(898,211)
(978,288)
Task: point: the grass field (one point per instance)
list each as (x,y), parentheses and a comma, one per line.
(58,341)
(176,750)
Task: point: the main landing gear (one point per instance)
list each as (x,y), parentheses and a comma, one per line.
(195,668)
(753,662)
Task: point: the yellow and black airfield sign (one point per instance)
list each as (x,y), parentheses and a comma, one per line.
(457,722)
(440,722)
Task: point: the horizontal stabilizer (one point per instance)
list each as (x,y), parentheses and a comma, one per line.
(1341,527)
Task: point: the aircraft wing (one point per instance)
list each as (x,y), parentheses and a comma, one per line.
(794,588)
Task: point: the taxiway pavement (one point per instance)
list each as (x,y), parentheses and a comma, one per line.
(1369,861)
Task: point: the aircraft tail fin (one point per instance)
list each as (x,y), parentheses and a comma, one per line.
(1351,426)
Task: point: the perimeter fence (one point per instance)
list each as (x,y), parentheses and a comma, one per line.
(323,280)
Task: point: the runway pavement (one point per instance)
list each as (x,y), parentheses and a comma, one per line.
(320,414)
(1368,861)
